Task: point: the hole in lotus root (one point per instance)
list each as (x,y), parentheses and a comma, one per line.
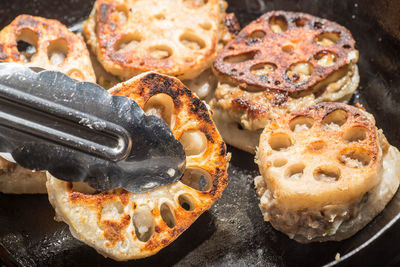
(197,179)
(83,188)
(112,210)
(279,162)
(355,158)
(194,142)
(288,48)
(325,58)
(256,37)
(263,69)
(240,58)
(278,24)
(279,141)
(162,106)
(192,41)
(327,173)
(76,74)
(355,134)
(206,26)
(127,43)
(327,38)
(300,22)
(160,52)
(194,3)
(167,215)
(300,124)
(186,202)
(143,222)
(334,120)
(295,171)
(57,51)
(300,72)
(119,15)
(316,146)
(27,42)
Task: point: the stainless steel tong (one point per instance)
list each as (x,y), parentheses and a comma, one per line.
(80,133)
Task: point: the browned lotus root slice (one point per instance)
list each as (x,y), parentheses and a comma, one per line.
(328,154)
(285,51)
(174,37)
(326,172)
(124,225)
(48,44)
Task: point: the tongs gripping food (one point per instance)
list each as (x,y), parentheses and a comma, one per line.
(79,132)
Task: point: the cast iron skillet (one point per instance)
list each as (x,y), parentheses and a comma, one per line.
(233,232)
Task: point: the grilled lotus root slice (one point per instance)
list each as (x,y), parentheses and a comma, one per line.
(326,172)
(279,63)
(174,37)
(286,51)
(48,44)
(124,225)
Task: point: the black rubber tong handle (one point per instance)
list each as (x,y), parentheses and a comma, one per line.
(79,132)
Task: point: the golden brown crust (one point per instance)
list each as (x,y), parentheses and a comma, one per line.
(189,114)
(177,38)
(296,41)
(326,155)
(47,36)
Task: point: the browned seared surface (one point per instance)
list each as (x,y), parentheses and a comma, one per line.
(174,37)
(48,44)
(265,52)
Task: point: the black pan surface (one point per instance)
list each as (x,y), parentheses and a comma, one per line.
(232,232)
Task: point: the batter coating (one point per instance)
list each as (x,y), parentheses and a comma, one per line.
(124,225)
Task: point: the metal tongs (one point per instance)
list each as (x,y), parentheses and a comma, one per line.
(80,133)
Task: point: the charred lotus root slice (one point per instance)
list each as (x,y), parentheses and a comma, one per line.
(285,51)
(124,225)
(48,44)
(328,154)
(174,37)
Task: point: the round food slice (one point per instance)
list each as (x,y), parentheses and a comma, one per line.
(124,225)
(45,43)
(174,37)
(279,63)
(326,172)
